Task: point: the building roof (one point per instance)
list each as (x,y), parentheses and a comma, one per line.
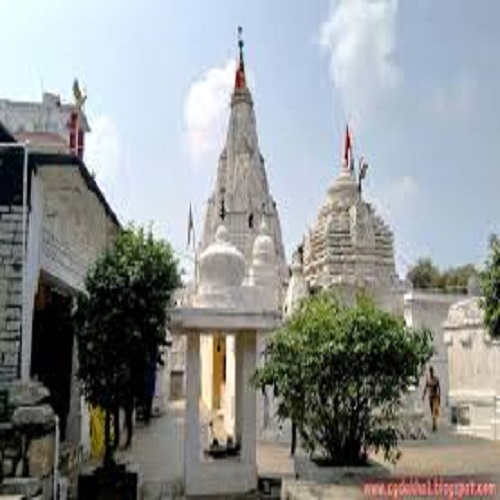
(40,160)
(37,159)
(5,135)
(48,142)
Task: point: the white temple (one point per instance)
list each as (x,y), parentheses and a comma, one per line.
(350,248)
(230,312)
(241,203)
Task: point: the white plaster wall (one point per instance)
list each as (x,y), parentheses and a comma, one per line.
(474,377)
(34,243)
(76,228)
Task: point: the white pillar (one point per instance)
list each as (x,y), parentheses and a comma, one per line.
(246,396)
(239,383)
(207,346)
(230,400)
(192,440)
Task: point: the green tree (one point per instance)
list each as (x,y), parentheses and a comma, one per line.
(490,287)
(121,320)
(339,374)
(457,278)
(424,274)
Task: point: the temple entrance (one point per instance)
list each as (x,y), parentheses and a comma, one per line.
(219,371)
(52,347)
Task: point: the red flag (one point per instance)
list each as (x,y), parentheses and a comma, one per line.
(239,82)
(347,145)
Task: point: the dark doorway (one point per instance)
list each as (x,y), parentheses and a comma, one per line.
(52,348)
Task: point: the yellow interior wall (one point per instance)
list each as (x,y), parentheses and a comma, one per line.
(219,351)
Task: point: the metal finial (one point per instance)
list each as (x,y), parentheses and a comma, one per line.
(240,42)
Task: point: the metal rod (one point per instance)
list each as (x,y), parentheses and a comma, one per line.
(24,373)
(55,483)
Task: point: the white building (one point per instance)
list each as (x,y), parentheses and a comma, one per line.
(50,125)
(429,309)
(68,225)
(474,371)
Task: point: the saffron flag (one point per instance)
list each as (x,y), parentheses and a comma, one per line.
(190,226)
(347,145)
(240,77)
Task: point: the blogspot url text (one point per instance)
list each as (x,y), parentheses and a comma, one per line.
(430,488)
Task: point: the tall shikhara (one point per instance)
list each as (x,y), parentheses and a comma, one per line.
(241,198)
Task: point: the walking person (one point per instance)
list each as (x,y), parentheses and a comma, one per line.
(432,386)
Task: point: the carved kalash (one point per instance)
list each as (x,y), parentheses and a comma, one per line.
(232,313)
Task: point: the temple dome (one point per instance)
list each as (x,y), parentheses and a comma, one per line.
(264,273)
(344,189)
(349,244)
(263,247)
(297,288)
(221,264)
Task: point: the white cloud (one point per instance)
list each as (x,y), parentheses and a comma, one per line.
(360,38)
(103,152)
(206,111)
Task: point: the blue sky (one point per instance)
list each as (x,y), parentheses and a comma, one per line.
(417,80)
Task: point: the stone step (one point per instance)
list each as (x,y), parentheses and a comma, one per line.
(28,487)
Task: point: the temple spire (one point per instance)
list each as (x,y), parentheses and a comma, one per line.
(240,81)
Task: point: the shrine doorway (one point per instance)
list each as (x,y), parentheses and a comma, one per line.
(52,347)
(219,371)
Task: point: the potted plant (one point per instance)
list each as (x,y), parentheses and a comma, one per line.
(338,373)
(121,325)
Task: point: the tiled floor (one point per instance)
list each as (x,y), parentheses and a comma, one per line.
(158,452)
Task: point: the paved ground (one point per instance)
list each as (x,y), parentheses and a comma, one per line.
(158,452)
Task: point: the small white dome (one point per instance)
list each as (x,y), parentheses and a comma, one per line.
(221,264)
(344,189)
(263,247)
(465,313)
(297,288)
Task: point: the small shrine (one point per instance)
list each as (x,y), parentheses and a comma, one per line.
(234,311)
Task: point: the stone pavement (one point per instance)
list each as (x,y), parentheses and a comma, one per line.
(158,452)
